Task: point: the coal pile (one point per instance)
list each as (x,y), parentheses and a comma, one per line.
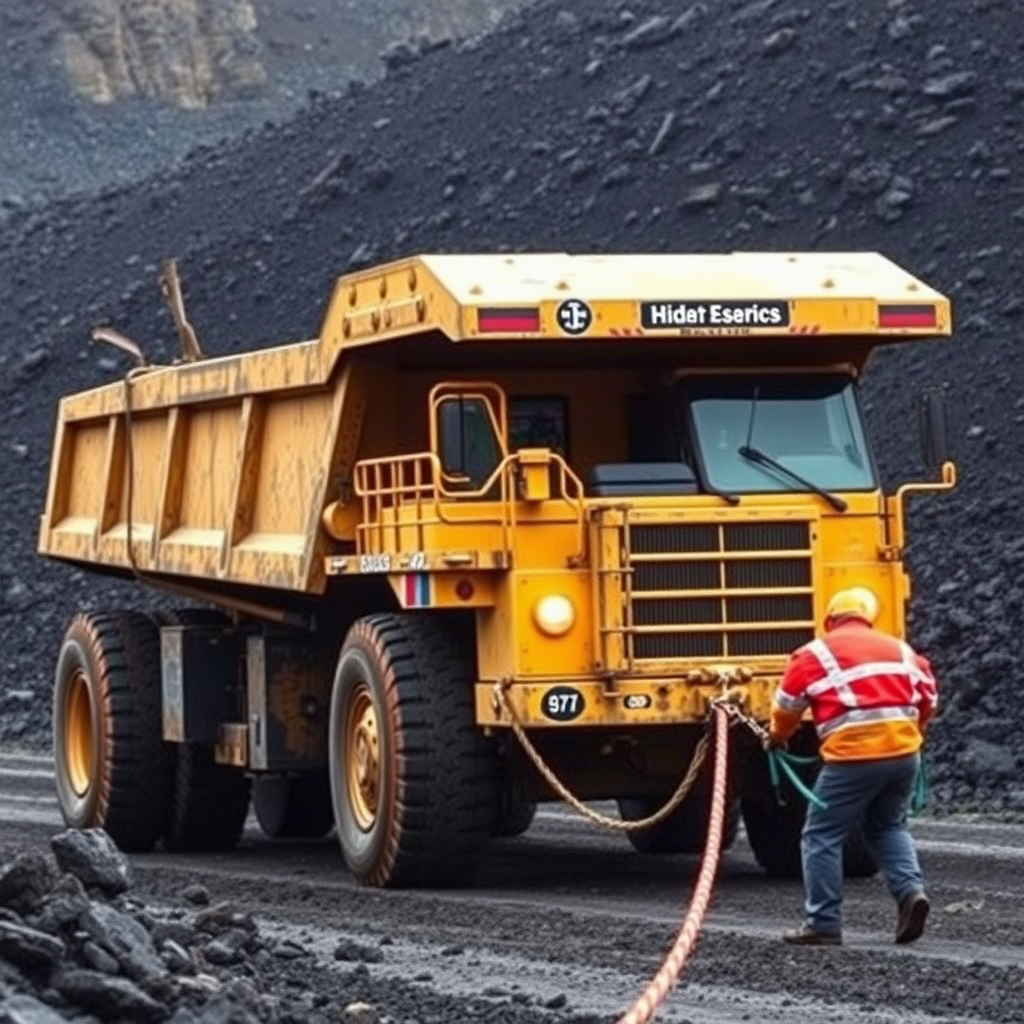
(75,944)
(78,942)
(597,125)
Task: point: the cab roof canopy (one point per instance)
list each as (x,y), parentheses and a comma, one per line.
(547,307)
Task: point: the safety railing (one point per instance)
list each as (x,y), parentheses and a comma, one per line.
(412,493)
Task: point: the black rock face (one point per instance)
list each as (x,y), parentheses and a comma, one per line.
(593,125)
(93,96)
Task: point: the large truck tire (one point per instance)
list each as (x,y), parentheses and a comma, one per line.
(209,802)
(413,780)
(773,832)
(685,830)
(514,815)
(293,807)
(774,835)
(113,768)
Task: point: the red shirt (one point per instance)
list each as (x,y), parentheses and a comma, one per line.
(870,694)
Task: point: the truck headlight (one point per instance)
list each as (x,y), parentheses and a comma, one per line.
(554,615)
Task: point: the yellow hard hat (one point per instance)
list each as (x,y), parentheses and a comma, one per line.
(858,602)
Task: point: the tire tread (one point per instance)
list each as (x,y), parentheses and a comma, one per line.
(136,762)
(446,767)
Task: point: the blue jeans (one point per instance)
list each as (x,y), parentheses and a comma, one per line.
(877,793)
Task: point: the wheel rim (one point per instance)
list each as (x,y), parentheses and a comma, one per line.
(362,758)
(78,737)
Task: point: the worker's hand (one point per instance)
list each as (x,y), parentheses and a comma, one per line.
(773,742)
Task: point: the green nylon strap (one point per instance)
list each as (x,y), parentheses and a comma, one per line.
(919,796)
(781,759)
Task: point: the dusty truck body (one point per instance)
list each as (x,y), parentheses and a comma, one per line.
(582,492)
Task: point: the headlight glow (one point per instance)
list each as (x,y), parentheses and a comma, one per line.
(554,615)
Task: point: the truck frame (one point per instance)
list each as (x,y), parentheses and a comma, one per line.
(583,492)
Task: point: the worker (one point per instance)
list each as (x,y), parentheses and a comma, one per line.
(871,697)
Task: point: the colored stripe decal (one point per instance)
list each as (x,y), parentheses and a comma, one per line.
(906,316)
(504,320)
(416,590)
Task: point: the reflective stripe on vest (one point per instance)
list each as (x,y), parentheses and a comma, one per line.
(788,703)
(835,678)
(839,679)
(858,716)
(917,676)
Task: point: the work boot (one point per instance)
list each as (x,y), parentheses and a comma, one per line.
(913,912)
(805,935)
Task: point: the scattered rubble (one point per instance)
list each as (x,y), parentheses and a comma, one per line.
(74,941)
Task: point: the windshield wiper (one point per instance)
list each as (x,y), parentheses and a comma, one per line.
(761,458)
(729,499)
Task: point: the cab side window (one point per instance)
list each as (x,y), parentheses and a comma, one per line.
(655,429)
(539,422)
(469,448)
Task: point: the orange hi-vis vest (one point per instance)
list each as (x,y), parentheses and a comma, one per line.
(870,694)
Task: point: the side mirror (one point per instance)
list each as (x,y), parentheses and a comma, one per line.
(933,423)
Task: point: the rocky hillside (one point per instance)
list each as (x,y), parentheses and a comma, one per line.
(597,125)
(108,90)
(189,54)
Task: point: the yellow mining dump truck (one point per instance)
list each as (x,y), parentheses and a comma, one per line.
(605,484)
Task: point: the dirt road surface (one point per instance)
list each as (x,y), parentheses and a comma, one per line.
(573,920)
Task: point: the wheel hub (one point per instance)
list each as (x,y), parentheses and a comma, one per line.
(362,767)
(78,737)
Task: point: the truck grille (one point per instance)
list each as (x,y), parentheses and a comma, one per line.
(707,590)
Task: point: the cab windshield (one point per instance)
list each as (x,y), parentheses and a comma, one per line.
(809,426)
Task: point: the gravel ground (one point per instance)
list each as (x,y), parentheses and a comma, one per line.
(564,924)
(77,943)
(594,124)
